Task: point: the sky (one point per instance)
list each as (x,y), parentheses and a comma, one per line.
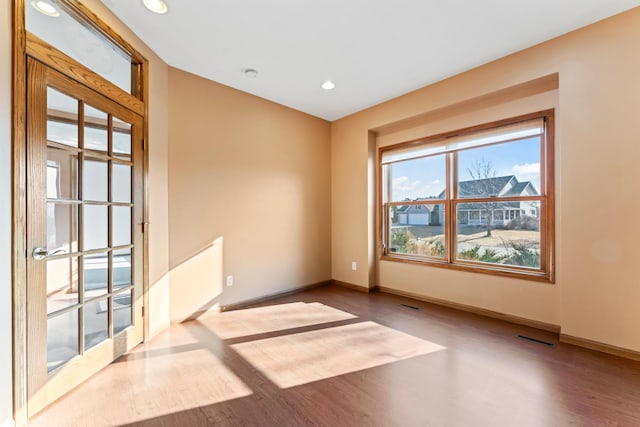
(412,179)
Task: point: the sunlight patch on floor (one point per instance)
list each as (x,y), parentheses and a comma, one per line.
(296,359)
(260,320)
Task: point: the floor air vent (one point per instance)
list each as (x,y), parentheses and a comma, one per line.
(410,306)
(547,343)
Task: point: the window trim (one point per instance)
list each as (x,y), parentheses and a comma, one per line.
(546,273)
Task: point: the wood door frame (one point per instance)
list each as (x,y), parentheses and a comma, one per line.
(20,45)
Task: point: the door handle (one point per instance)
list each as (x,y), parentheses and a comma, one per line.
(42,253)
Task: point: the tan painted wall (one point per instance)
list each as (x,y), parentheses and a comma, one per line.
(249,196)
(597,294)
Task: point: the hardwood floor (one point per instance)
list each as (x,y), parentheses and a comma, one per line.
(336,357)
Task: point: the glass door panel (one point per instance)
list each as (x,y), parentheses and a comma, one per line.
(85,233)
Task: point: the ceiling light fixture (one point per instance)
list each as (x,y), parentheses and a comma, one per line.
(45,8)
(252,73)
(328,85)
(156,6)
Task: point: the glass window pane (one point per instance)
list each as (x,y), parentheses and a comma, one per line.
(95,184)
(95,275)
(62,174)
(95,129)
(500,233)
(121,139)
(96,323)
(62,339)
(62,118)
(81,43)
(121,225)
(502,170)
(121,268)
(62,227)
(121,183)
(96,226)
(122,311)
(62,283)
(418,179)
(417,230)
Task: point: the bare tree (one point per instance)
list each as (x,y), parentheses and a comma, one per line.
(482,185)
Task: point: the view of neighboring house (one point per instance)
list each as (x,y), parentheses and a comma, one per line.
(476,213)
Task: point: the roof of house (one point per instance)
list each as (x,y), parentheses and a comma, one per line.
(507,185)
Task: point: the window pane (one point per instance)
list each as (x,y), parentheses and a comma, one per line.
(96,226)
(62,227)
(95,185)
(95,129)
(121,225)
(418,179)
(499,233)
(121,183)
(62,118)
(121,268)
(96,323)
(121,139)
(62,174)
(503,170)
(96,275)
(122,311)
(62,283)
(417,230)
(62,339)
(81,43)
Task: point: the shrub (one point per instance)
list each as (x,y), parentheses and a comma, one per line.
(473,254)
(521,253)
(400,239)
(524,222)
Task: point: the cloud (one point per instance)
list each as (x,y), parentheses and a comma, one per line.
(528,169)
(435,182)
(404,184)
(405,188)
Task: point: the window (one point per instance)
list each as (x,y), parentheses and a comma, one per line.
(477,199)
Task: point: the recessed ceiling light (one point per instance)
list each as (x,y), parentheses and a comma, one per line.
(252,73)
(156,6)
(328,85)
(45,8)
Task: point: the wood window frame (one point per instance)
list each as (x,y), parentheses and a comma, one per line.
(546,273)
(25,45)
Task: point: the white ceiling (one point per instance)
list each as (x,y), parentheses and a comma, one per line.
(374,50)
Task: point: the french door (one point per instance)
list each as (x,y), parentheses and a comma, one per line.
(84,233)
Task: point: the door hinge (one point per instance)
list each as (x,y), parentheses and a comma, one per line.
(143,311)
(144,226)
(144,144)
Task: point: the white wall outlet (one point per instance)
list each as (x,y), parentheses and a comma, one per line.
(229,280)
(354,265)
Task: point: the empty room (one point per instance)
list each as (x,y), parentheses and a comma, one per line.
(287,213)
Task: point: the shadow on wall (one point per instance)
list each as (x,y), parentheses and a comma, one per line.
(205,266)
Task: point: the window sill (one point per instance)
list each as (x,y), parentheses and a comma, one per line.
(514,273)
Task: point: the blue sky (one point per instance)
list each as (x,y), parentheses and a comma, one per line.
(426,177)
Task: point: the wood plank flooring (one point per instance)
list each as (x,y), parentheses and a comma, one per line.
(336,357)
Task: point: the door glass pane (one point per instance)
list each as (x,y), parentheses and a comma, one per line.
(62,339)
(122,314)
(121,268)
(96,326)
(95,183)
(95,129)
(121,139)
(82,43)
(96,275)
(62,118)
(121,225)
(96,226)
(62,227)
(62,174)
(121,183)
(62,283)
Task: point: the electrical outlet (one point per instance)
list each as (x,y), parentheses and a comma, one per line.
(229,280)
(354,265)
